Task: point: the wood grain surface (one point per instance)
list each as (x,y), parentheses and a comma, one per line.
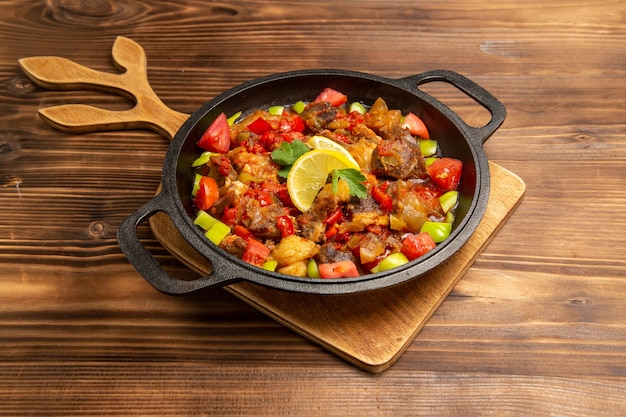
(536,326)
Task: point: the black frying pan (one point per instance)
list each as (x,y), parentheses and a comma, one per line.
(456,139)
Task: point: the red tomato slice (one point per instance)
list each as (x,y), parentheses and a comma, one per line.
(341,269)
(259,126)
(446,172)
(414,246)
(217,137)
(242,232)
(334,217)
(331,96)
(256,253)
(382,198)
(285,225)
(291,123)
(207,194)
(416,126)
(230,215)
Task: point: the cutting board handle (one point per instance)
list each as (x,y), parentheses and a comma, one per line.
(149,112)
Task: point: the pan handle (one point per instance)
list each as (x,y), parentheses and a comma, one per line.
(148,266)
(474,91)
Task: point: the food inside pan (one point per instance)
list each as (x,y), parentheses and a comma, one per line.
(325,188)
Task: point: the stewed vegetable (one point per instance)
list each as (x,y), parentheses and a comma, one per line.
(326,188)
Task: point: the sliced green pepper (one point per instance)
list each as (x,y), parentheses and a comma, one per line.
(448,200)
(217,232)
(428,161)
(437,230)
(270,265)
(357,107)
(276,110)
(428,147)
(203,159)
(196,185)
(392,261)
(232,119)
(204,220)
(298,107)
(312,269)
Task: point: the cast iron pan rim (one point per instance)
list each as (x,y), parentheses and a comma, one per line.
(460,235)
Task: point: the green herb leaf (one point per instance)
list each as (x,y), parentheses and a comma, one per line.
(353,178)
(287,153)
(284,171)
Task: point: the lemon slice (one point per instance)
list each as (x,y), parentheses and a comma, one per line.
(309,174)
(322,142)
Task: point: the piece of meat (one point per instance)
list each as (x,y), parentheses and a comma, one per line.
(399,158)
(329,254)
(234,244)
(318,115)
(261,221)
(310,227)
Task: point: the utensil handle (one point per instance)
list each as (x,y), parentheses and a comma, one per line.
(149,267)
(57,73)
(474,91)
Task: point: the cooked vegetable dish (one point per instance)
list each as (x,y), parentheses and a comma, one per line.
(324,189)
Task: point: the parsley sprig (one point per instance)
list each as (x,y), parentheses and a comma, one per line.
(287,153)
(353,178)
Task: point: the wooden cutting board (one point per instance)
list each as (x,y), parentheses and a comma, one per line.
(370,330)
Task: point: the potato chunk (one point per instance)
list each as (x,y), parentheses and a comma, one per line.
(292,249)
(297,269)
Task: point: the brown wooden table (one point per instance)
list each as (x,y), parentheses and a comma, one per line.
(535,327)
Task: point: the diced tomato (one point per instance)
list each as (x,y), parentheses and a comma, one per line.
(207,195)
(342,237)
(341,269)
(285,198)
(416,126)
(355,119)
(291,123)
(331,96)
(230,214)
(278,190)
(446,172)
(255,253)
(331,231)
(285,225)
(335,216)
(386,148)
(269,140)
(242,232)
(259,126)
(291,136)
(254,147)
(217,137)
(414,246)
(224,166)
(344,138)
(383,199)
(263,197)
